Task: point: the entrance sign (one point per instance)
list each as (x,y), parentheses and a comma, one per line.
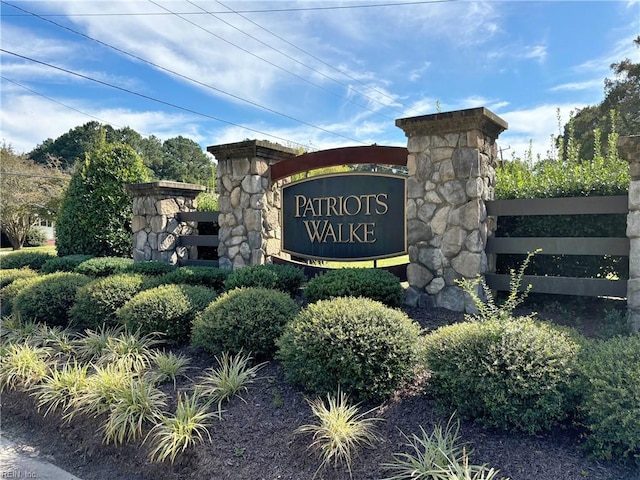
(355,216)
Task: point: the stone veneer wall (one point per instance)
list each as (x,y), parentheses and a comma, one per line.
(451,167)
(629,149)
(155,225)
(249,202)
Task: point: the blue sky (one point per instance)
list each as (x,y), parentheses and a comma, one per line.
(314,73)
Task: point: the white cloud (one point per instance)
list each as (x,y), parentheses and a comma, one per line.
(576,86)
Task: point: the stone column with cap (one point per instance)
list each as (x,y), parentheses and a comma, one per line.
(249,202)
(451,165)
(629,149)
(155,222)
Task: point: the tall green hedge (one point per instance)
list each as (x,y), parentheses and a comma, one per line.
(559,179)
(95,216)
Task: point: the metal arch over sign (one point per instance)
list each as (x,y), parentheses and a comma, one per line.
(355,216)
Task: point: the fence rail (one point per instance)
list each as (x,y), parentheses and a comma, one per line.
(197,240)
(617,204)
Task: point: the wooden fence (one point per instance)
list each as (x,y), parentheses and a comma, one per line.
(206,243)
(560,245)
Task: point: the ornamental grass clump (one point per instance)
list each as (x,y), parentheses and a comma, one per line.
(229,379)
(339,432)
(23,366)
(90,346)
(131,350)
(60,388)
(167,366)
(173,434)
(135,404)
(361,345)
(429,454)
(244,320)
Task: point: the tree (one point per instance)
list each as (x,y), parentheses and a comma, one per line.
(622,95)
(30,192)
(184,161)
(95,217)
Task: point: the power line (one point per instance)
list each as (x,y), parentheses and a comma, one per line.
(56,101)
(250,102)
(163,102)
(269,10)
(346,74)
(215,35)
(293,58)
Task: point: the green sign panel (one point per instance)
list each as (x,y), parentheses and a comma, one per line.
(355,216)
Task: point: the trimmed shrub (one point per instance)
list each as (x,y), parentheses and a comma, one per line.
(168,309)
(152,268)
(360,345)
(375,284)
(245,320)
(104,266)
(67,263)
(285,278)
(206,276)
(35,237)
(9,292)
(511,374)
(610,407)
(96,302)
(50,299)
(95,215)
(11,274)
(33,260)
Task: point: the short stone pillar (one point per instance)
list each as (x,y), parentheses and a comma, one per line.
(155,224)
(629,149)
(451,167)
(249,202)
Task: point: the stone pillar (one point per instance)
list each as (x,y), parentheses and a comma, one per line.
(629,149)
(249,202)
(451,167)
(155,224)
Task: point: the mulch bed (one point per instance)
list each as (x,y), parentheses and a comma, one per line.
(255,439)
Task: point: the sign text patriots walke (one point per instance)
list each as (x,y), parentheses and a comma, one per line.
(346,216)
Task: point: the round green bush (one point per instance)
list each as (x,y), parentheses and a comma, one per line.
(285,278)
(244,319)
(375,284)
(35,237)
(9,292)
(512,374)
(33,260)
(168,309)
(357,344)
(206,276)
(610,404)
(11,274)
(151,268)
(97,301)
(50,299)
(104,266)
(67,263)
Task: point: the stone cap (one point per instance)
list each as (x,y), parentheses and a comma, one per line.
(165,188)
(252,149)
(457,121)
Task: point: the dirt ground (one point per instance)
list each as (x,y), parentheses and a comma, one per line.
(255,439)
